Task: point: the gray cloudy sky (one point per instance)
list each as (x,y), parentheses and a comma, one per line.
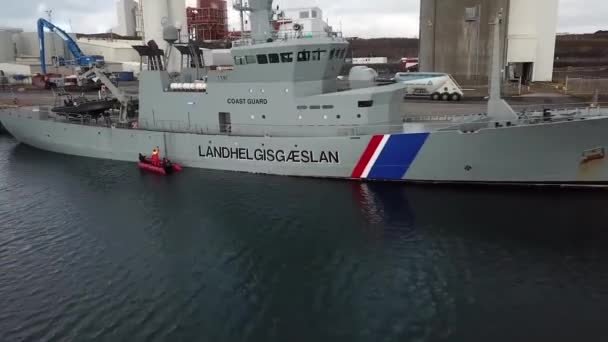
(387,18)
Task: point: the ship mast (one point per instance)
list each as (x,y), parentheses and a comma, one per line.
(260,14)
(498,108)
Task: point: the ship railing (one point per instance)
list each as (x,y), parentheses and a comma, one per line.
(45,112)
(411,124)
(287,35)
(525,111)
(271,130)
(420,124)
(300,130)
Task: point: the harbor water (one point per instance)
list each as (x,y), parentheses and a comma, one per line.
(97,250)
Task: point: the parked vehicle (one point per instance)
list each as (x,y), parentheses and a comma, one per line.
(436,86)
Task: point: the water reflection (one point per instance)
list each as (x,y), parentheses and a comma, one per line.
(99,248)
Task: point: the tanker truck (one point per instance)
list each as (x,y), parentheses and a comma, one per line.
(434,85)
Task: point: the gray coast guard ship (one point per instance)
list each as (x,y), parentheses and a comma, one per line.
(278,111)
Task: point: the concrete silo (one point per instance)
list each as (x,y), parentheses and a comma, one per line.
(125,10)
(455,37)
(156,15)
(531,39)
(7,46)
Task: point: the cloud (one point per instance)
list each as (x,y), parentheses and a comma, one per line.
(381,18)
(41,8)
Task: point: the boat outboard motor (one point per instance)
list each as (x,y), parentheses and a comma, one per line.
(547,114)
(167,166)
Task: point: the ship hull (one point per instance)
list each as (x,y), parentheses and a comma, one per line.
(565,153)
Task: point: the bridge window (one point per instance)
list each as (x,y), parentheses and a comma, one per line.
(315,107)
(364,104)
(273,58)
(331,53)
(262,59)
(301,107)
(238,60)
(287,57)
(313,13)
(304,15)
(328,107)
(250,59)
(316,54)
(303,56)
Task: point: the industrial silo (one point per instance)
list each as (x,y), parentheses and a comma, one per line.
(456,37)
(156,15)
(531,39)
(7,47)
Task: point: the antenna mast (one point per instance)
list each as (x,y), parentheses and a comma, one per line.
(498,108)
(49,13)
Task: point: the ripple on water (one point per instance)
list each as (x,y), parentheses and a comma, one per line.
(96,250)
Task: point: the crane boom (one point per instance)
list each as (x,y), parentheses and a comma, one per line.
(118,94)
(79,57)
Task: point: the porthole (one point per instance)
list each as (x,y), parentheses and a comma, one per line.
(359,116)
(263,116)
(337,116)
(324,117)
(299,117)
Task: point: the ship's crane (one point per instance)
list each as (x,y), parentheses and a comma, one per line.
(118,94)
(79,57)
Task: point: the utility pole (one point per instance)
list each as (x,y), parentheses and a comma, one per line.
(49,13)
(242,15)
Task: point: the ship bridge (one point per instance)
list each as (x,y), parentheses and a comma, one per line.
(312,64)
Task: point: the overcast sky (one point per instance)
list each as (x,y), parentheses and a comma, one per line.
(379,18)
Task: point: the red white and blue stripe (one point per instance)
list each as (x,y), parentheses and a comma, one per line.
(389,156)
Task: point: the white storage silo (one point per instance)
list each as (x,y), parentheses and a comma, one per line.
(177,18)
(177,15)
(125,10)
(154,12)
(28,45)
(158,13)
(532,39)
(7,47)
